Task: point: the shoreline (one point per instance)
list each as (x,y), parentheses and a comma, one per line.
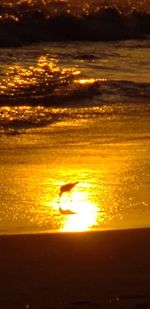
(74,233)
(106,269)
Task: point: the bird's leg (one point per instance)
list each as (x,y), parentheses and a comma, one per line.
(59,204)
(70,195)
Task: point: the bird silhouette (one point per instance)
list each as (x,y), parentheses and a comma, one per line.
(67,188)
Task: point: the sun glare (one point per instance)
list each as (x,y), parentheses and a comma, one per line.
(84,212)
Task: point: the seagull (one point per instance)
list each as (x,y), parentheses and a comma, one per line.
(67,188)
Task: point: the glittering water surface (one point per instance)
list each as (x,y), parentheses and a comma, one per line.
(74,113)
(109,158)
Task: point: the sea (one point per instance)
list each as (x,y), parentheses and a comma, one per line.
(75,111)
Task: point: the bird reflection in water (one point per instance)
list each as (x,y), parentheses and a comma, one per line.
(67,188)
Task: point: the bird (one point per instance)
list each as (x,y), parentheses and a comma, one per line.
(67,188)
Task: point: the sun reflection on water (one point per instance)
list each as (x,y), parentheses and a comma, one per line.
(84,218)
(78,212)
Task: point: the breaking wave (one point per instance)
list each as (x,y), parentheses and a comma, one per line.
(84,99)
(108,23)
(53,86)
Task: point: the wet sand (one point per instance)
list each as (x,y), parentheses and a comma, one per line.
(108,269)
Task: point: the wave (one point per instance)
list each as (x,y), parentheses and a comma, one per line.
(44,86)
(105,25)
(76,92)
(65,88)
(84,99)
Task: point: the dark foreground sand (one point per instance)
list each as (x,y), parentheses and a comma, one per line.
(108,269)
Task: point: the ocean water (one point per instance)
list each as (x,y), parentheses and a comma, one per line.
(75,111)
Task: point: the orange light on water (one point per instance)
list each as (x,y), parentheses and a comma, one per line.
(86,81)
(84,213)
(89,81)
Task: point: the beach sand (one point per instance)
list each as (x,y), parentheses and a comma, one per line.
(107,269)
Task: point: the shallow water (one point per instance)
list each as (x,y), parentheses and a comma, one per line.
(75,112)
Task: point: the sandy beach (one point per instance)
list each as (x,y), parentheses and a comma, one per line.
(108,269)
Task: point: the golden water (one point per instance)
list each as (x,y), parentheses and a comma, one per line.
(113,175)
